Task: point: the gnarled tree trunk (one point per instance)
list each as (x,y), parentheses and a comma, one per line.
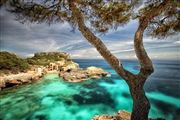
(141,104)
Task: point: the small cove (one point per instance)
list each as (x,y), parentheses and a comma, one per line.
(54,99)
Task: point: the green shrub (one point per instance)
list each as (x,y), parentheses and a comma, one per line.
(13,63)
(44,58)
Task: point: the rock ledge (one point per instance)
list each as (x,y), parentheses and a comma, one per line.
(121,115)
(79,75)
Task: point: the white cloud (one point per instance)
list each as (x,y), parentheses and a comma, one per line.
(177,42)
(26,39)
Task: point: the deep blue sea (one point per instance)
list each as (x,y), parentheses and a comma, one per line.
(54,99)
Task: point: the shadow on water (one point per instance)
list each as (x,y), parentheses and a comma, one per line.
(167,109)
(96,95)
(54,99)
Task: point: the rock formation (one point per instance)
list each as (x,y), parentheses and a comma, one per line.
(76,74)
(121,115)
(70,65)
(44,63)
(20,78)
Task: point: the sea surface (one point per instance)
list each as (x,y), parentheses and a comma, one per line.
(54,99)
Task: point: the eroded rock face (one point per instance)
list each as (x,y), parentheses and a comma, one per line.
(124,115)
(2,83)
(70,67)
(13,82)
(78,75)
(105,117)
(73,75)
(94,70)
(121,115)
(18,79)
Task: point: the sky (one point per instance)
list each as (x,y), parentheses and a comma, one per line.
(27,39)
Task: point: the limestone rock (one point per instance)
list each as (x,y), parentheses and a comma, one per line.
(12,82)
(25,80)
(121,115)
(95,70)
(124,115)
(60,63)
(18,79)
(15,82)
(2,83)
(71,66)
(74,75)
(105,117)
(77,75)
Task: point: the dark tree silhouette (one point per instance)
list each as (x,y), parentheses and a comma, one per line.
(160,17)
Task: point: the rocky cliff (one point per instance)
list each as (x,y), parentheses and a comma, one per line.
(43,63)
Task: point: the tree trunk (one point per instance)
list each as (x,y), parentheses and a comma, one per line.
(141,105)
(99,45)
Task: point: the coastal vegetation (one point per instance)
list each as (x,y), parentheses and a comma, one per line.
(161,18)
(44,58)
(16,71)
(11,63)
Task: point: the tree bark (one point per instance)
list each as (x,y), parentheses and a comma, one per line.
(98,44)
(141,104)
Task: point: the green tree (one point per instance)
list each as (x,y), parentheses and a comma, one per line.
(44,58)
(160,17)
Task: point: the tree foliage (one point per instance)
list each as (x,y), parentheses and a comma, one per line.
(101,15)
(168,23)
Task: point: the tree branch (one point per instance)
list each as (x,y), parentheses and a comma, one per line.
(99,45)
(145,61)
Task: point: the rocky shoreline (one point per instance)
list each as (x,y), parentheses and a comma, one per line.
(41,64)
(18,79)
(70,73)
(121,115)
(79,75)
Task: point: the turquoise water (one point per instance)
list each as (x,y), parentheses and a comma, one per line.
(53,99)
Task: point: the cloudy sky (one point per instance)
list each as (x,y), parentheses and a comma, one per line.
(26,39)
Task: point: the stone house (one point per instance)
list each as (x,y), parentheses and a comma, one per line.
(56,65)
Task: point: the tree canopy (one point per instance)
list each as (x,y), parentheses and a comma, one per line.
(168,23)
(44,58)
(101,15)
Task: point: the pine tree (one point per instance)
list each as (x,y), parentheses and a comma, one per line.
(160,17)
